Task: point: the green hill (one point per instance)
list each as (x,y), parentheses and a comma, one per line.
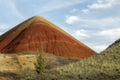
(104,66)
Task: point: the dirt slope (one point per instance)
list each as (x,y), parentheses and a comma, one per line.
(36,32)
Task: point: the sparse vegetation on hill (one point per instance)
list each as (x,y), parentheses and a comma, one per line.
(105,65)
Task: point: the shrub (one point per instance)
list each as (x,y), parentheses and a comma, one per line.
(41,62)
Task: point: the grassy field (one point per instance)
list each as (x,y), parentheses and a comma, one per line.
(14,62)
(21,66)
(103,66)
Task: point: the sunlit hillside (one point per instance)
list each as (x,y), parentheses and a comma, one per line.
(105,65)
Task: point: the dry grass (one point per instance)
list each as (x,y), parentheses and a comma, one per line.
(14,62)
(26,60)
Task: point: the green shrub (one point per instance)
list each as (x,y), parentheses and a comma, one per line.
(41,62)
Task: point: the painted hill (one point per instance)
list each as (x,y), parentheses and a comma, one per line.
(36,32)
(104,66)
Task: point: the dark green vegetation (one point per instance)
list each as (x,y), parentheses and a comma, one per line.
(103,66)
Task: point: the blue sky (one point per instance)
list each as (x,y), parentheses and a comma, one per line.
(94,22)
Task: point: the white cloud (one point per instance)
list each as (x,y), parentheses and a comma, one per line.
(72,19)
(102,39)
(102,4)
(74,10)
(58,4)
(85,10)
(110,33)
(108,22)
(9,7)
(104,22)
(81,34)
(99,48)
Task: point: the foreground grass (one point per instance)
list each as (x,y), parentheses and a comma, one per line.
(32,75)
(12,67)
(104,66)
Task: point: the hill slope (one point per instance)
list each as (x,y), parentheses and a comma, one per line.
(104,66)
(36,32)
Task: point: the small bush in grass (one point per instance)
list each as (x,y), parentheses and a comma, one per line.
(41,62)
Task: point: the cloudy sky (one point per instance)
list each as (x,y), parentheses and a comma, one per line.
(94,22)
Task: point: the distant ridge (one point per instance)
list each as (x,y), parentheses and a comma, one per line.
(116,42)
(36,32)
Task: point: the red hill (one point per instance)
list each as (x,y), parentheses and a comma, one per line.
(37,31)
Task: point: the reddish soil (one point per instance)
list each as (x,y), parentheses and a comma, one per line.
(36,32)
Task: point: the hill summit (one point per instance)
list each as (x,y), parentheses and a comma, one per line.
(35,32)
